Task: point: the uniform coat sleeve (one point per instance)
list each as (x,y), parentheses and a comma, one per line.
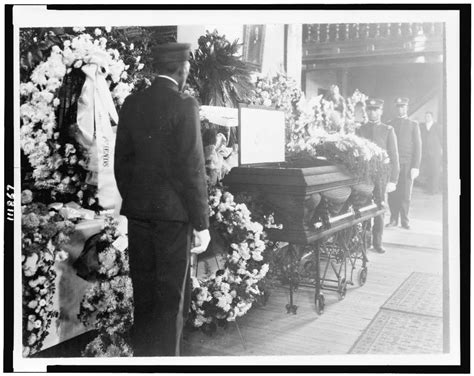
(190,163)
(392,151)
(124,154)
(416,158)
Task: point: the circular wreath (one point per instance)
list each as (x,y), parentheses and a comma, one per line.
(58,163)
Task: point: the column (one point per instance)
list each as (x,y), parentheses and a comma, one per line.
(294,52)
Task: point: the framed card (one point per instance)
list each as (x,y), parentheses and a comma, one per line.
(261,135)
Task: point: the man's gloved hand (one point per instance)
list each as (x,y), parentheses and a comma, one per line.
(201,241)
(414,172)
(391,187)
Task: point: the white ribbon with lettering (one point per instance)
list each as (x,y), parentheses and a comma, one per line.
(95,108)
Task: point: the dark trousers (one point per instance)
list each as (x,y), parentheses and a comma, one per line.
(399,200)
(159,268)
(378,221)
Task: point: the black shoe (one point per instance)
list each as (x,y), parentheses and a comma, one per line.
(391,224)
(379,250)
(406,227)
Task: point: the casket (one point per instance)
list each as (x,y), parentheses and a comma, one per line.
(300,193)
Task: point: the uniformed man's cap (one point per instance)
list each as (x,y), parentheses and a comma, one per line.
(373,103)
(401,101)
(171,52)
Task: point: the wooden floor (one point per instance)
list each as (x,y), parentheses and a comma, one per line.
(269,330)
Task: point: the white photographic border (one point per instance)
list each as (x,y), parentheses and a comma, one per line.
(36,16)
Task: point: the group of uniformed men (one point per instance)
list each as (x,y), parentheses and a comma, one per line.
(401,139)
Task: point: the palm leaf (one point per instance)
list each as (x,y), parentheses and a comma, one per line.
(217,72)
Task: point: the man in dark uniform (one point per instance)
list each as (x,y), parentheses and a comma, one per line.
(431,136)
(409,150)
(160,173)
(383,136)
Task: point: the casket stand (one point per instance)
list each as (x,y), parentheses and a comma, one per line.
(325,212)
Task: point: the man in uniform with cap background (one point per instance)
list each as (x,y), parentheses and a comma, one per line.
(409,150)
(160,173)
(384,136)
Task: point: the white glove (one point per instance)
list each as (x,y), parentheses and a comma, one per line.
(414,172)
(201,241)
(391,187)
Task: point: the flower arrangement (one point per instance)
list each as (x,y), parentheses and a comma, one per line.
(280,92)
(230,292)
(361,157)
(44,231)
(49,94)
(356,114)
(108,305)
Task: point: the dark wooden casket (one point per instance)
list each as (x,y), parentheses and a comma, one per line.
(307,197)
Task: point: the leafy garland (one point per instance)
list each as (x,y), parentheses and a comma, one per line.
(108,305)
(44,232)
(361,157)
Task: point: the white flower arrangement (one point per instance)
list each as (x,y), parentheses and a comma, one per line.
(43,233)
(230,292)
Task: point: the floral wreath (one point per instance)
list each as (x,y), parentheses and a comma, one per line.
(59,163)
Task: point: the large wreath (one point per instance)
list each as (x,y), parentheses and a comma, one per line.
(57,162)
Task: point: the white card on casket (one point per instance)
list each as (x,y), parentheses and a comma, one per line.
(262,135)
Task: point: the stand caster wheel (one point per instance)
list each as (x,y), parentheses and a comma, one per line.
(342,289)
(291,309)
(362,277)
(319,302)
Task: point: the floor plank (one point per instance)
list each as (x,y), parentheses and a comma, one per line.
(269,330)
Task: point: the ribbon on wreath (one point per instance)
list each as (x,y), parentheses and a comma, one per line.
(95,108)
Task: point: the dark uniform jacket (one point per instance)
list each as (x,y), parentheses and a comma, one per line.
(409,141)
(159,162)
(383,136)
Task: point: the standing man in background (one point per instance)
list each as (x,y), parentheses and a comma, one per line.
(409,150)
(160,173)
(383,136)
(431,137)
